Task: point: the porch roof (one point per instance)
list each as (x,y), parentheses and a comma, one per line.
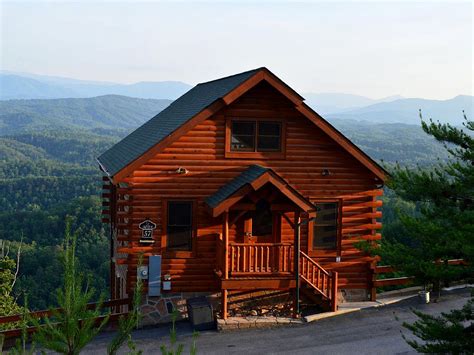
(254,177)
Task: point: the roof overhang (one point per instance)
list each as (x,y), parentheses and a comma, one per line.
(268,177)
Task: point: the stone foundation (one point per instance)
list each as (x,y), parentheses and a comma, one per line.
(156,310)
(233,323)
(352,295)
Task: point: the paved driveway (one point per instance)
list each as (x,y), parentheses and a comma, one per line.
(370,331)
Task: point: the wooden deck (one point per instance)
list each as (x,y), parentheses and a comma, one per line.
(259,283)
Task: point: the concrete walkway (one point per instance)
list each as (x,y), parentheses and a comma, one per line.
(373,330)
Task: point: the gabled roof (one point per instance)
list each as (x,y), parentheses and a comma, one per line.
(168,120)
(200,103)
(248,176)
(252,179)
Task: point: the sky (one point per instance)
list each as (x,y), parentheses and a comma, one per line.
(374,49)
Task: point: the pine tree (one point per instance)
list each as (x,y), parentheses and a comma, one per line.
(450,333)
(72,327)
(8,274)
(443,227)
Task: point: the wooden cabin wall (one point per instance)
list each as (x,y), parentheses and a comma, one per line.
(201,151)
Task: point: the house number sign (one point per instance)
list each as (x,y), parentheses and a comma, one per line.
(147,228)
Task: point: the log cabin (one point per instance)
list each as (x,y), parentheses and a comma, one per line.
(239,185)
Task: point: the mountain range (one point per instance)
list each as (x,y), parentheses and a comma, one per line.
(14,86)
(32,86)
(407,111)
(327,103)
(113,116)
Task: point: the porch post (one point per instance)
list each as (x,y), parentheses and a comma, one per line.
(224,304)
(226,244)
(225,232)
(297,263)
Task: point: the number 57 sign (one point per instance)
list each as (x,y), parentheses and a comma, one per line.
(147,228)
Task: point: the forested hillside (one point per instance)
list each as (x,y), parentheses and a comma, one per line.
(49,173)
(45,176)
(393,142)
(101,113)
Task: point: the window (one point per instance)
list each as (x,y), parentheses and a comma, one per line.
(243,136)
(256,136)
(262,219)
(325,226)
(179,228)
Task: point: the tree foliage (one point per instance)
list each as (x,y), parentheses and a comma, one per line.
(442,226)
(69,330)
(450,333)
(8,274)
(130,321)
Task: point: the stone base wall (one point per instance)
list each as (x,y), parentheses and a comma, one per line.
(352,295)
(156,310)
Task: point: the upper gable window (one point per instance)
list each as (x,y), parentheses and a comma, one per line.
(243,136)
(256,136)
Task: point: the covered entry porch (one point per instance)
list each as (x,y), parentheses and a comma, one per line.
(253,251)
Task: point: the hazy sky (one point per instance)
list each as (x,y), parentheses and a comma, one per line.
(374,49)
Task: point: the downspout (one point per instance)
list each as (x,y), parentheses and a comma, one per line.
(297,265)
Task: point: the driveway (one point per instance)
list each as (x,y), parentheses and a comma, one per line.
(369,331)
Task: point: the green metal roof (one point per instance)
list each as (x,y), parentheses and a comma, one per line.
(252,173)
(167,121)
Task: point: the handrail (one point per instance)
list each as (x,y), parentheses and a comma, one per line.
(319,279)
(314,262)
(259,244)
(47,313)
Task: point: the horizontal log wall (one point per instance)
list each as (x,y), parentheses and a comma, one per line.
(201,151)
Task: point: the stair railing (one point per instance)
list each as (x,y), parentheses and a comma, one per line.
(319,279)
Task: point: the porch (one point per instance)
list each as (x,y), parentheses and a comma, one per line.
(256,255)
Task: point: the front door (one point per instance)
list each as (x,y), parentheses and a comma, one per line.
(261,225)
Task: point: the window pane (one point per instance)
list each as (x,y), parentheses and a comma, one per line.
(179,213)
(179,238)
(269,136)
(180,225)
(269,128)
(325,237)
(243,136)
(325,226)
(243,127)
(243,143)
(326,213)
(268,143)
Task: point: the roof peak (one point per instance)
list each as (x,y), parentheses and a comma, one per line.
(234,75)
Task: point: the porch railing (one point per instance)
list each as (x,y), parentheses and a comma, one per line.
(260,258)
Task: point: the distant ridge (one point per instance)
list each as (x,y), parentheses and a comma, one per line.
(31,86)
(325,103)
(109,112)
(406,111)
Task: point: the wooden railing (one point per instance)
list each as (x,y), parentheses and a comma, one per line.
(260,258)
(319,279)
(403,280)
(114,305)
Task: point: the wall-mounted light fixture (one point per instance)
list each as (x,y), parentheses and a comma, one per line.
(325,172)
(181,171)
